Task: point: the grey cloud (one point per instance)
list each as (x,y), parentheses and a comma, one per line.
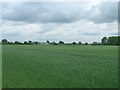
(56,31)
(92,34)
(39,12)
(114,34)
(104,12)
(119,11)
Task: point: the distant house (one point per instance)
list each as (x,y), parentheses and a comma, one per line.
(43,43)
(40,43)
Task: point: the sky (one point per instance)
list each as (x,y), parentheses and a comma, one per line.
(55,21)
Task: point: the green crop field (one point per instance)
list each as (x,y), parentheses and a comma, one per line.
(0,66)
(59,66)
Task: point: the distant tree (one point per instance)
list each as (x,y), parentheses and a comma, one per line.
(61,42)
(10,43)
(86,43)
(74,43)
(30,42)
(25,42)
(80,43)
(114,40)
(36,42)
(17,42)
(104,40)
(118,40)
(94,43)
(48,41)
(4,41)
(54,43)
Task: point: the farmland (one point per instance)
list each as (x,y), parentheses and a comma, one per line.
(59,66)
(0,66)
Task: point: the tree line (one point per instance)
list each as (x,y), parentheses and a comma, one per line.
(115,40)
(6,42)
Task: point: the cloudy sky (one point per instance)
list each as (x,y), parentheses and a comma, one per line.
(54,21)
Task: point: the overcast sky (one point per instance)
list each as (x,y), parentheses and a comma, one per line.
(54,21)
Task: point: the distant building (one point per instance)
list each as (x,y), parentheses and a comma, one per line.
(43,43)
(40,43)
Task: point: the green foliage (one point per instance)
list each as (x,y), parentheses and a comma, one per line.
(48,41)
(80,42)
(61,42)
(4,41)
(86,43)
(25,42)
(54,43)
(104,40)
(65,66)
(74,43)
(17,42)
(30,42)
(115,40)
(94,43)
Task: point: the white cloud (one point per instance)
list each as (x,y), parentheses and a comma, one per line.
(77,31)
(58,0)
(86,22)
(60,12)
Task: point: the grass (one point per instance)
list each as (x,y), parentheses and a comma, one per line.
(65,66)
(0,66)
